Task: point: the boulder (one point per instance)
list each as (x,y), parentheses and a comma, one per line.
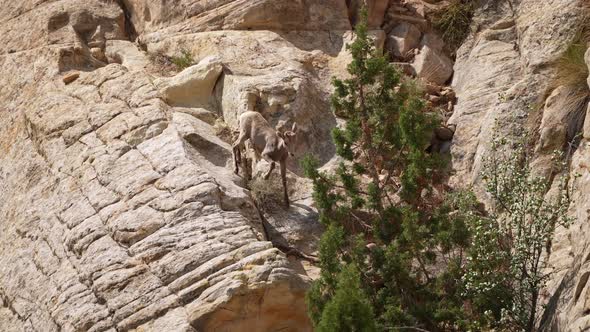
(193,86)
(433,66)
(433,41)
(376,10)
(403,38)
(127,54)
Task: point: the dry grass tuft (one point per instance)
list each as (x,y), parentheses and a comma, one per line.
(453,22)
(571,66)
(268,194)
(572,73)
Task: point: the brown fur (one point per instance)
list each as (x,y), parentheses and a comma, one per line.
(267,142)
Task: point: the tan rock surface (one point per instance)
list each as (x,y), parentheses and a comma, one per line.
(120,211)
(193,86)
(403,38)
(502,72)
(127,212)
(119,208)
(190,16)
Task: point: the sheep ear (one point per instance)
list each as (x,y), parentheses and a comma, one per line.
(294,128)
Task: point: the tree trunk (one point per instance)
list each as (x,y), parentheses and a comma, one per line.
(368,146)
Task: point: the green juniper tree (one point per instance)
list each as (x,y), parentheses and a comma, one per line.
(399,257)
(349,308)
(396,257)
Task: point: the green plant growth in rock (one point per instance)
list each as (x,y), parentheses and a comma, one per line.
(453,22)
(394,256)
(506,267)
(407,253)
(184,60)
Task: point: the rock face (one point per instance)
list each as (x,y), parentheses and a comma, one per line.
(567,294)
(119,210)
(502,74)
(190,16)
(503,71)
(375,11)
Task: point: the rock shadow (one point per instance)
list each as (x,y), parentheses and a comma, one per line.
(329,42)
(213,152)
(296,228)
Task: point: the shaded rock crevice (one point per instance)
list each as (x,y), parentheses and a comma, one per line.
(130,30)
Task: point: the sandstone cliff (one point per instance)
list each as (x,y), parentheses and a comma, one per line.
(119,210)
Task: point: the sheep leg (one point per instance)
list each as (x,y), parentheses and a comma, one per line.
(255,159)
(247,163)
(272,166)
(237,158)
(237,155)
(284,180)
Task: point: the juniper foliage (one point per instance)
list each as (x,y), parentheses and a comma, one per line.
(410,275)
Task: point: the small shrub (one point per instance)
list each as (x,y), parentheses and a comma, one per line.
(507,260)
(268,194)
(453,21)
(184,60)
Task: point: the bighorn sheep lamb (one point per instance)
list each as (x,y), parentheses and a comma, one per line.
(267,142)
